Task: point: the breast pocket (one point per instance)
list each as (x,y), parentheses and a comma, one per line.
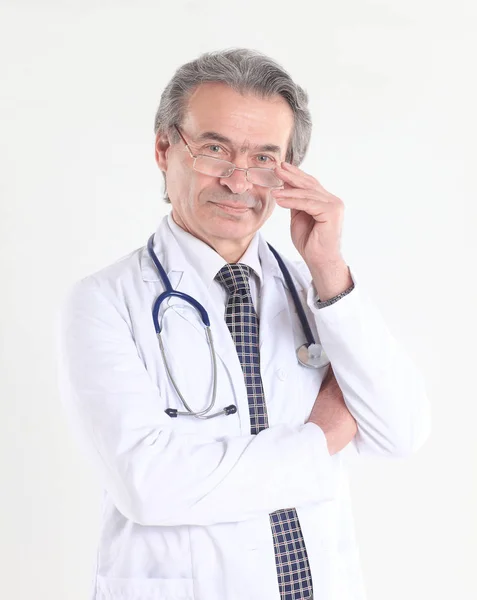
(110,588)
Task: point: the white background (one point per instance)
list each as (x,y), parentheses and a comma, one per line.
(392,89)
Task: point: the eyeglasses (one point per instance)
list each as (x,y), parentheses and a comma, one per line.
(216,167)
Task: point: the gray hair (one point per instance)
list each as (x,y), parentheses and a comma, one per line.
(246,71)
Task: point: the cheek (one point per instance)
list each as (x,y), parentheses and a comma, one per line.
(268,204)
(177,180)
(189,189)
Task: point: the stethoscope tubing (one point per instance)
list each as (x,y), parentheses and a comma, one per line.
(291,286)
(170,292)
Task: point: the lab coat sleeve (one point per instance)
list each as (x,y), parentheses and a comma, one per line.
(155,475)
(381,386)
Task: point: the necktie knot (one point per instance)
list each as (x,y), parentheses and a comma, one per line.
(235,278)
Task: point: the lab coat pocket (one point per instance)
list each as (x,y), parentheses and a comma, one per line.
(113,588)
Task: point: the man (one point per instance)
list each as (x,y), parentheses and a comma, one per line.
(251,503)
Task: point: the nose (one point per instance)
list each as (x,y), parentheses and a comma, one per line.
(237,182)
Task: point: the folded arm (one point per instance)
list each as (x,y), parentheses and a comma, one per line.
(155,475)
(381,385)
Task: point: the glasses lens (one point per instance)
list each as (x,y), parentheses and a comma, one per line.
(208,165)
(265,177)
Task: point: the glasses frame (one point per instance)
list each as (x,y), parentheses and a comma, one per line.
(234,167)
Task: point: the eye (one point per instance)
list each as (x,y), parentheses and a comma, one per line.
(214,148)
(263,158)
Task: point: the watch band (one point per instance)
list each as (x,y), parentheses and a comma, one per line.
(320,304)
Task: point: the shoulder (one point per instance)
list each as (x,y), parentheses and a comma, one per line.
(110,282)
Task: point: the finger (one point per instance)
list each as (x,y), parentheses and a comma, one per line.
(296,178)
(294,170)
(301,193)
(310,206)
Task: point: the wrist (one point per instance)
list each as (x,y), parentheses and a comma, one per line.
(331,279)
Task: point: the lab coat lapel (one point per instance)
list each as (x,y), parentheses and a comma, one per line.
(278,320)
(184,279)
(192,285)
(274,299)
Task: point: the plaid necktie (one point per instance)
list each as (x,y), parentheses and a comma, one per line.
(293,569)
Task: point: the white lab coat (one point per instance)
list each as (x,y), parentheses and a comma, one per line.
(186,501)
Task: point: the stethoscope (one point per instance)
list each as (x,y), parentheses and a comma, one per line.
(310,354)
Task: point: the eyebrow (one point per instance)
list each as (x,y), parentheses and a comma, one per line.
(217,137)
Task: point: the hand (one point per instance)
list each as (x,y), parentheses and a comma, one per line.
(331,414)
(316,216)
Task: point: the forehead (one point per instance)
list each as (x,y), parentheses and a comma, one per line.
(245,119)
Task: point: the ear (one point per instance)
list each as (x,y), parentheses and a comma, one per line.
(162,146)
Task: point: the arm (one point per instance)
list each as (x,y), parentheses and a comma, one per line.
(331,414)
(155,475)
(381,386)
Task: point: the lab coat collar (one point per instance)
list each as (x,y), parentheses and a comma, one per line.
(205,260)
(173,258)
(167,251)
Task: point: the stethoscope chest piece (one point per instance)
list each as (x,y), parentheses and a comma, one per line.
(312,356)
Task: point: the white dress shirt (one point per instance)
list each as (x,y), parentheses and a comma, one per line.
(207,262)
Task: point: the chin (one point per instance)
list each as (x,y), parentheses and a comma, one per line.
(231,228)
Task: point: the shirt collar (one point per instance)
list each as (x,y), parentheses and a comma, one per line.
(205,260)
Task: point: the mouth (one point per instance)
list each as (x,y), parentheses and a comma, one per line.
(236,209)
